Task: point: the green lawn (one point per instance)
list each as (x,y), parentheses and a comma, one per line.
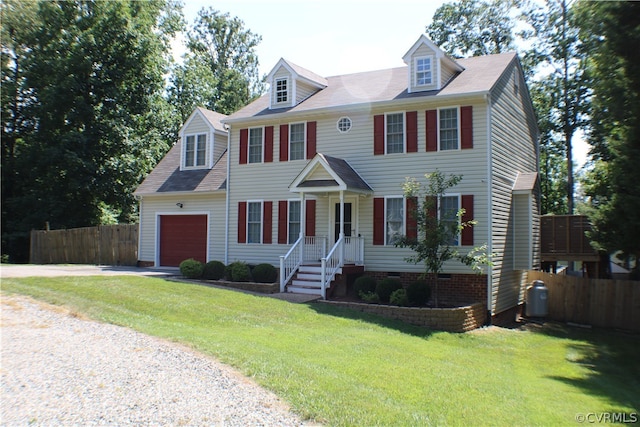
(340,367)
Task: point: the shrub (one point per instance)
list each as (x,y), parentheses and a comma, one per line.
(369,297)
(240,271)
(418,293)
(191,269)
(213,270)
(364,284)
(265,273)
(399,297)
(385,288)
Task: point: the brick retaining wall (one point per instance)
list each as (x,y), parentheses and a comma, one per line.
(459,319)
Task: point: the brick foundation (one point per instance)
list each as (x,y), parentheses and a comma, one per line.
(459,319)
(454,290)
(146,263)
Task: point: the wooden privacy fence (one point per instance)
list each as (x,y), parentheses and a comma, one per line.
(596,302)
(102,245)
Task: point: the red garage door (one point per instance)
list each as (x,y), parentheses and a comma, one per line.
(182,237)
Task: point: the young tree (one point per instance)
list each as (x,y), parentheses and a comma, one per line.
(434,240)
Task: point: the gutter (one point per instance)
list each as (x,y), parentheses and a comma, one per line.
(228,200)
(363,106)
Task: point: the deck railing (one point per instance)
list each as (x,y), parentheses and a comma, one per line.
(290,262)
(330,265)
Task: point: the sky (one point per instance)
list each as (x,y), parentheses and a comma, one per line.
(331,37)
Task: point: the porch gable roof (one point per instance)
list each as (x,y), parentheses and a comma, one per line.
(343,177)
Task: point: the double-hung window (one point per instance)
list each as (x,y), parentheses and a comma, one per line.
(394,219)
(423,71)
(394,136)
(449,206)
(448,128)
(195,150)
(255,145)
(294,221)
(296,141)
(282,90)
(254,222)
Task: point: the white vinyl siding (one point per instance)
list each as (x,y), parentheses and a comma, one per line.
(255,145)
(151,207)
(514,134)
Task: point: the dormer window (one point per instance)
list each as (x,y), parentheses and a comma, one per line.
(282,90)
(423,71)
(195,150)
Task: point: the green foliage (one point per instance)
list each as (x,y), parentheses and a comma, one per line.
(220,69)
(213,270)
(84,84)
(239,271)
(264,273)
(474,27)
(369,297)
(399,298)
(610,32)
(418,293)
(366,284)
(386,287)
(191,268)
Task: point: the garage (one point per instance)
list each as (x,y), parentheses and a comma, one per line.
(182,237)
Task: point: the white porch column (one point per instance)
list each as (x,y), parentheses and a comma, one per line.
(303,223)
(341,235)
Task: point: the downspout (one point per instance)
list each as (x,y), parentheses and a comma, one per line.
(227,127)
(490,209)
(140,229)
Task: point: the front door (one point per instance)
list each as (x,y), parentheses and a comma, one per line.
(348,221)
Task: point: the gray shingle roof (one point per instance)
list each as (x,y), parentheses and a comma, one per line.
(167,176)
(480,74)
(347,174)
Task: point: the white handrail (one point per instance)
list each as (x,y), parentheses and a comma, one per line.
(330,265)
(289,263)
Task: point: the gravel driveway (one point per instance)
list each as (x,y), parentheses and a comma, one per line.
(60,369)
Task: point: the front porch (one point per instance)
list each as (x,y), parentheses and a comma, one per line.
(312,263)
(311,266)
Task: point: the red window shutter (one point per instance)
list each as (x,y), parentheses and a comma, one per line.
(244,146)
(378,134)
(311,140)
(242,222)
(268,144)
(378,221)
(466,127)
(283,221)
(310,220)
(284,143)
(431,121)
(467,232)
(412,131)
(411,220)
(267,222)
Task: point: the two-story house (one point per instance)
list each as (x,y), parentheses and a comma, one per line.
(311,173)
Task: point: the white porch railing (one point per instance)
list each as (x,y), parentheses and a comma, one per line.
(312,249)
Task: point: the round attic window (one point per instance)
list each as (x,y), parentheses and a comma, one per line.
(344,124)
